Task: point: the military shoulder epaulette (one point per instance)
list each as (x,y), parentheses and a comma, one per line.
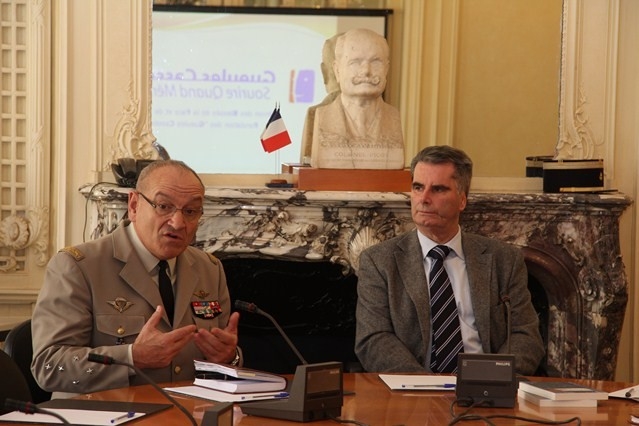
(73,251)
(213,259)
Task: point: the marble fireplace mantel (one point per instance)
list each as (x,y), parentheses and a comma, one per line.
(570,242)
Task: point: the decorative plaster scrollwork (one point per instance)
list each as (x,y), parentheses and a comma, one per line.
(583,145)
(19,232)
(38,218)
(132,138)
(14,232)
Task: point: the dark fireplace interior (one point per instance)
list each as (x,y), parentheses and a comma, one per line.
(314,303)
(540,302)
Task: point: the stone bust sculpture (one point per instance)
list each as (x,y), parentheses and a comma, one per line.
(332,90)
(358,130)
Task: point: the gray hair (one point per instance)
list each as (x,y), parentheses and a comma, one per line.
(443,154)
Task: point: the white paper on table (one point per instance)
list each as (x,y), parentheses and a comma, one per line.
(621,393)
(413,382)
(75,417)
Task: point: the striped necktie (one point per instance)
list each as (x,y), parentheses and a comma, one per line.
(166,289)
(447,340)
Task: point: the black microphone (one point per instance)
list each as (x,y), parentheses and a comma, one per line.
(506,299)
(107,360)
(322,398)
(251,307)
(31,408)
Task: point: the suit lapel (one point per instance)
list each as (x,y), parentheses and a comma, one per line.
(410,264)
(478,265)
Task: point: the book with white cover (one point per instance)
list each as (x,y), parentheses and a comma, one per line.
(562,390)
(238,372)
(558,414)
(241,385)
(547,402)
(215,395)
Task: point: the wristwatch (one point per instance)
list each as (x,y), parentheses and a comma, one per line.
(236,360)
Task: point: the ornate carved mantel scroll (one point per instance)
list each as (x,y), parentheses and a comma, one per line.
(296,225)
(570,243)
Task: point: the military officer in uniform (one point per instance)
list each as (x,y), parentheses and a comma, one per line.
(105,296)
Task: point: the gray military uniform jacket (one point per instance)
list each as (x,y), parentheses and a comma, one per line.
(393,308)
(96,298)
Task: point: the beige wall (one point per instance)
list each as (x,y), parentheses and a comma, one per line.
(507,91)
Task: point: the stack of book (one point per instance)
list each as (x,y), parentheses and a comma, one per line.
(232,379)
(559,394)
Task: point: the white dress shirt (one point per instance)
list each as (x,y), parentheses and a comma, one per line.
(455,265)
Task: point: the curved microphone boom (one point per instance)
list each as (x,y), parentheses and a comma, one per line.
(31,408)
(107,360)
(316,391)
(251,307)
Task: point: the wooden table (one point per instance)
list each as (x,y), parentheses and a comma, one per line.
(374,404)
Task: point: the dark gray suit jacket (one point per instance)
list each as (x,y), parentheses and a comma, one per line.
(393,307)
(75,313)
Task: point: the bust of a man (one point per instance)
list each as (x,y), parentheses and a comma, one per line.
(358,130)
(332,91)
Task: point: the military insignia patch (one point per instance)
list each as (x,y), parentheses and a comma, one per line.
(206,309)
(74,252)
(120,304)
(201,294)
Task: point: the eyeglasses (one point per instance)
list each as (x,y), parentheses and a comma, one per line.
(190,214)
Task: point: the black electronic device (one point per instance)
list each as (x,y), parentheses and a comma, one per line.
(107,360)
(127,170)
(221,414)
(486,380)
(315,393)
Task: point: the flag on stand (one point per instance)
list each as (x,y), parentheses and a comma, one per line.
(275,135)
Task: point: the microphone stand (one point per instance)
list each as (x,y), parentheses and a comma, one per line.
(252,308)
(107,360)
(316,391)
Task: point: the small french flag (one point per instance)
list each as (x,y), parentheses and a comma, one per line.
(275,135)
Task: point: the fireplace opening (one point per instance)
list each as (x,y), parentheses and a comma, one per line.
(552,281)
(540,303)
(313,302)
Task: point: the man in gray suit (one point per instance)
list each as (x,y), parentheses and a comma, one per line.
(103,296)
(488,277)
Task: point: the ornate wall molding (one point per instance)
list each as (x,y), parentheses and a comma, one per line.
(588,81)
(127,112)
(25,138)
(132,136)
